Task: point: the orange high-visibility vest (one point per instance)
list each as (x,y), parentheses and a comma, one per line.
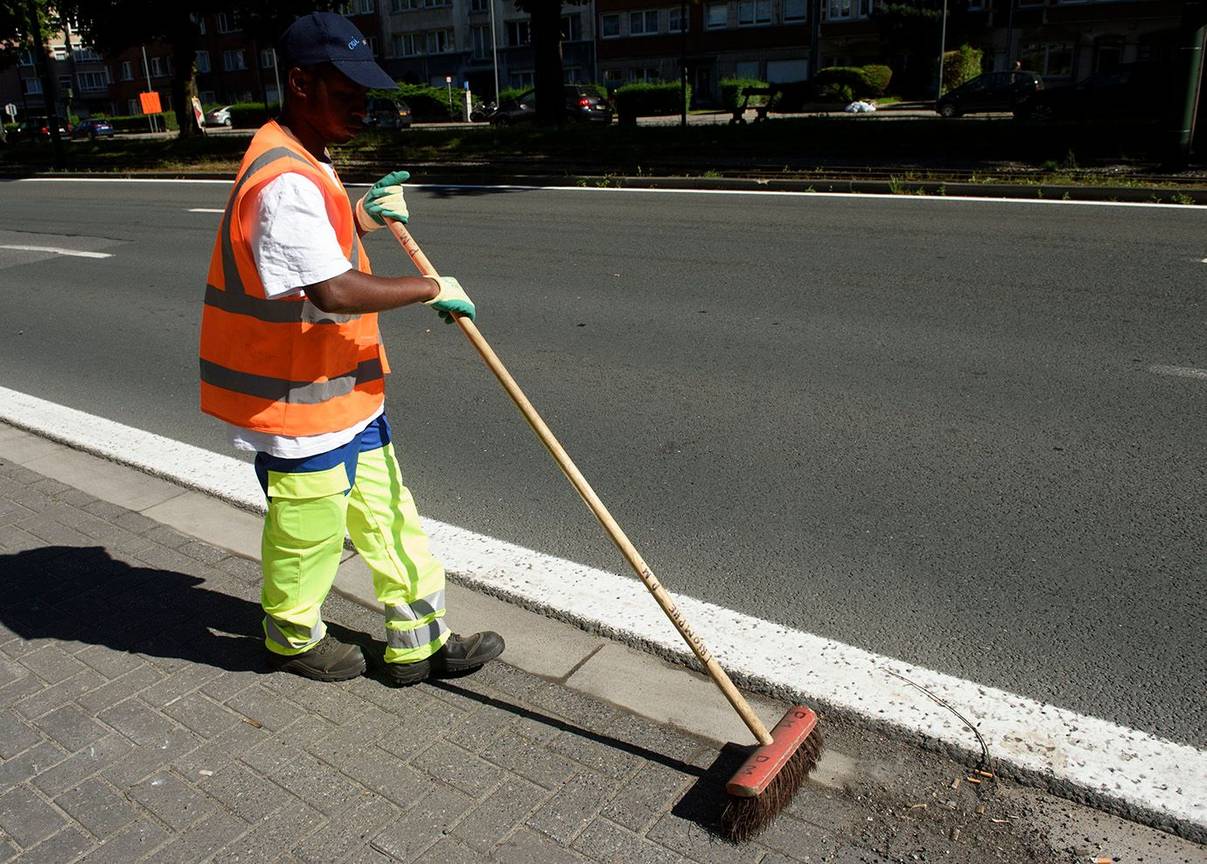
(283,366)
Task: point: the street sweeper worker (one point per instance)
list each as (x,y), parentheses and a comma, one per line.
(292,361)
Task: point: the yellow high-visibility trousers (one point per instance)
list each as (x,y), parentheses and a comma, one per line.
(313,504)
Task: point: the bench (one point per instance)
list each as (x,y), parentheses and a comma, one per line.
(760,110)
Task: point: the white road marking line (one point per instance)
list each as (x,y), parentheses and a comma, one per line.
(1179,371)
(949,199)
(205,210)
(1121,763)
(56,250)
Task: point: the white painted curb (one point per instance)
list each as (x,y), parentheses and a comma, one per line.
(1129,766)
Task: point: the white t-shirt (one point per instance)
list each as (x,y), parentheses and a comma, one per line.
(294,244)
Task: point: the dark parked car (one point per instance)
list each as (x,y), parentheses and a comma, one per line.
(1133,92)
(383,113)
(37,129)
(581,103)
(994,91)
(92,129)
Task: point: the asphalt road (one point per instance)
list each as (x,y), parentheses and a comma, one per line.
(942,431)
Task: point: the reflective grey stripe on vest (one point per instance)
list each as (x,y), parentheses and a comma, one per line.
(234,284)
(275,633)
(272,311)
(419,609)
(293,392)
(417,638)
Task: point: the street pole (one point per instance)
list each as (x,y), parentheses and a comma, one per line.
(276,73)
(494,50)
(683,62)
(146,68)
(942,45)
(1192,50)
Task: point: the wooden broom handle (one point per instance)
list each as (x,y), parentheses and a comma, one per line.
(579,482)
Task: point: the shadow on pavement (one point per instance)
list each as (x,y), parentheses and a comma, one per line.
(81,594)
(704,801)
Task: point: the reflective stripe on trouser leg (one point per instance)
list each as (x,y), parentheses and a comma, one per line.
(409,581)
(302,544)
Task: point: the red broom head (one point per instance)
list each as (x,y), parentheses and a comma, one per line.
(769,779)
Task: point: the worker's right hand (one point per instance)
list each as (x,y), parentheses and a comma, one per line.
(451,298)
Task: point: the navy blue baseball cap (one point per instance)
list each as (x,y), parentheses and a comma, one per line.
(327,37)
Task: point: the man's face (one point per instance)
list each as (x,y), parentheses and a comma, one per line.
(333,104)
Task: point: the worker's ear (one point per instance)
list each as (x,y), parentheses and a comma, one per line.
(299,83)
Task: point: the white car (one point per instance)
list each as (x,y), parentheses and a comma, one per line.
(219,116)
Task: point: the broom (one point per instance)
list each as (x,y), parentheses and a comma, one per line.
(775,770)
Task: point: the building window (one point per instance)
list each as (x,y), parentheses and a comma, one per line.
(58,52)
(436,4)
(266,59)
(1108,53)
(94,80)
(357,7)
(1051,59)
(752,12)
(233,61)
(572,75)
(25,58)
(403,5)
(440,42)
(643,23)
(613,78)
(521,79)
(717,16)
(645,73)
(479,6)
(33,86)
(157,67)
(609,26)
(794,10)
(407,44)
(86,55)
(127,68)
(518,34)
(848,10)
(675,20)
(228,22)
(572,28)
(480,40)
(201,24)
(207,97)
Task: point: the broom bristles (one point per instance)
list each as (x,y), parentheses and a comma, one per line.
(746,817)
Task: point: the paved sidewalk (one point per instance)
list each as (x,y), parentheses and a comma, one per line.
(139,721)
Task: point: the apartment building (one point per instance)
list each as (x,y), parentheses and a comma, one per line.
(429,41)
(81,77)
(640,40)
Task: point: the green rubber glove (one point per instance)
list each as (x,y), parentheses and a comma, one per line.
(383,201)
(452,298)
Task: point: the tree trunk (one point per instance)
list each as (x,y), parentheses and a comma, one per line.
(183,38)
(545,21)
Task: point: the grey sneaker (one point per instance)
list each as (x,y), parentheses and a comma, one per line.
(457,655)
(329,660)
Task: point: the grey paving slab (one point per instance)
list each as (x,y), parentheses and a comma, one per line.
(200,841)
(70,727)
(27,817)
(173,801)
(29,763)
(210,521)
(609,843)
(15,735)
(98,807)
(102,479)
(666,694)
(133,843)
(423,824)
(26,448)
(83,763)
(348,831)
(66,845)
(564,815)
(492,819)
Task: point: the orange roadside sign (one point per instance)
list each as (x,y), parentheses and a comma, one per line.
(150,102)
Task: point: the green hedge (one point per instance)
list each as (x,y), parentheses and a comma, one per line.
(961,65)
(427,102)
(731,92)
(863,81)
(248,115)
(644,99)
(138,122)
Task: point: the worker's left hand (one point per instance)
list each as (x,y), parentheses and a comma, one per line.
(383,201)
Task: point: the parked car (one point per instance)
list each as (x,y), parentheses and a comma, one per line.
(37,129)
(1132,92)
(580,103)
(219,116)
(92,128)
(994,91)
(381,113)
